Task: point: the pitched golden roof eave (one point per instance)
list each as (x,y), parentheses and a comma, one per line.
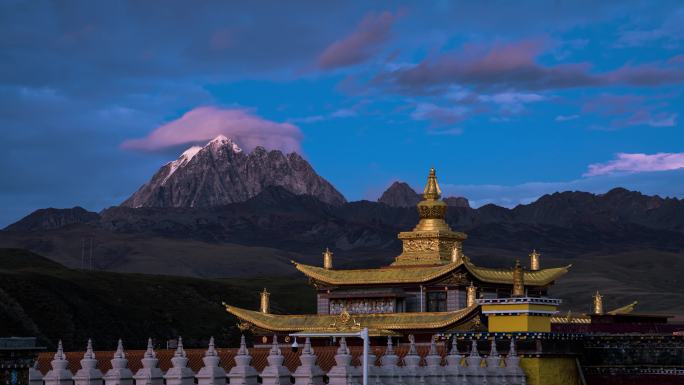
(423,274)
(540,277)
(328,322)
(407,274)
(624,309)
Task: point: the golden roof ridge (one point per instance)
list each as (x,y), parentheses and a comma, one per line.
(377,321)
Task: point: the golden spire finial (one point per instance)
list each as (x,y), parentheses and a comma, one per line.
(518,280)
(598,303)
(327,259)
(264,304)
(432,191)
(456,253)
(534,260)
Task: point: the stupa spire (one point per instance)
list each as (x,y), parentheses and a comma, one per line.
(307,347)
(432,191)
(89,354)
(390,347)
(275,349)
(180,352)
(119,350)
(211,351)
(243,346)
(432,229)
(59,354)
(149,353)
(343,349)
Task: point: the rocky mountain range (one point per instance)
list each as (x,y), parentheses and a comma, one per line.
(221,173)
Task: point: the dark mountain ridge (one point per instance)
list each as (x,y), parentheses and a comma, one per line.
(51,218)
(568,223)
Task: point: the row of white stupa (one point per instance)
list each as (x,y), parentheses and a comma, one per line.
(459,370)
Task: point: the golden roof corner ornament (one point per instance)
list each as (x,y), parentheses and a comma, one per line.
(327,259)
(264,302)
(471,295)
(535,260)
(598,303)
(457,253)
(518,280)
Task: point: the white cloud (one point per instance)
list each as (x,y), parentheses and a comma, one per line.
(635,163)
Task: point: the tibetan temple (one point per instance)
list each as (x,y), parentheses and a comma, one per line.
(434,318)
(431,287)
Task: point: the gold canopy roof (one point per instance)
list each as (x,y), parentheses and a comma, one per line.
(423,274)
(571,318)
(378,324)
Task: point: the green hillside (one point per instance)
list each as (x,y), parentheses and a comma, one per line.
(44,299)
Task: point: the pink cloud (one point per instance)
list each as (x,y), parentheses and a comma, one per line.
(361,44)
(634,163)
(204,123)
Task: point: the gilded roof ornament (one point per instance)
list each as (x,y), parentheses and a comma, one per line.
(534,260)
(518,280)
(598,303)
(327,259)
(432,191)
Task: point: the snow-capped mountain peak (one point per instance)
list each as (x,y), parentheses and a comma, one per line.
(182,160)
(222,140)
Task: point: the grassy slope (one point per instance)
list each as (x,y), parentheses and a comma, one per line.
(654,278)
(41,298)
(131,253)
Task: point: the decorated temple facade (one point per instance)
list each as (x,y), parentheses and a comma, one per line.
(431,287)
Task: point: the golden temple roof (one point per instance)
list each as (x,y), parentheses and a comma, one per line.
(378,324)
(384,275)
(422,274)
(505,276)
(571,318)
(624,309)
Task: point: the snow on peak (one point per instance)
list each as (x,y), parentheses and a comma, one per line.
(187,155)
(190,153)
(222,140)
(182,160)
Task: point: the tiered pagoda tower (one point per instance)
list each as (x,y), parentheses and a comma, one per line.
(431,287)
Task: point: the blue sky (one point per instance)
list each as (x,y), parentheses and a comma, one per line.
(508,100)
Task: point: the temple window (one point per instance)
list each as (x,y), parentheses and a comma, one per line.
(436,301)
(362,305)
